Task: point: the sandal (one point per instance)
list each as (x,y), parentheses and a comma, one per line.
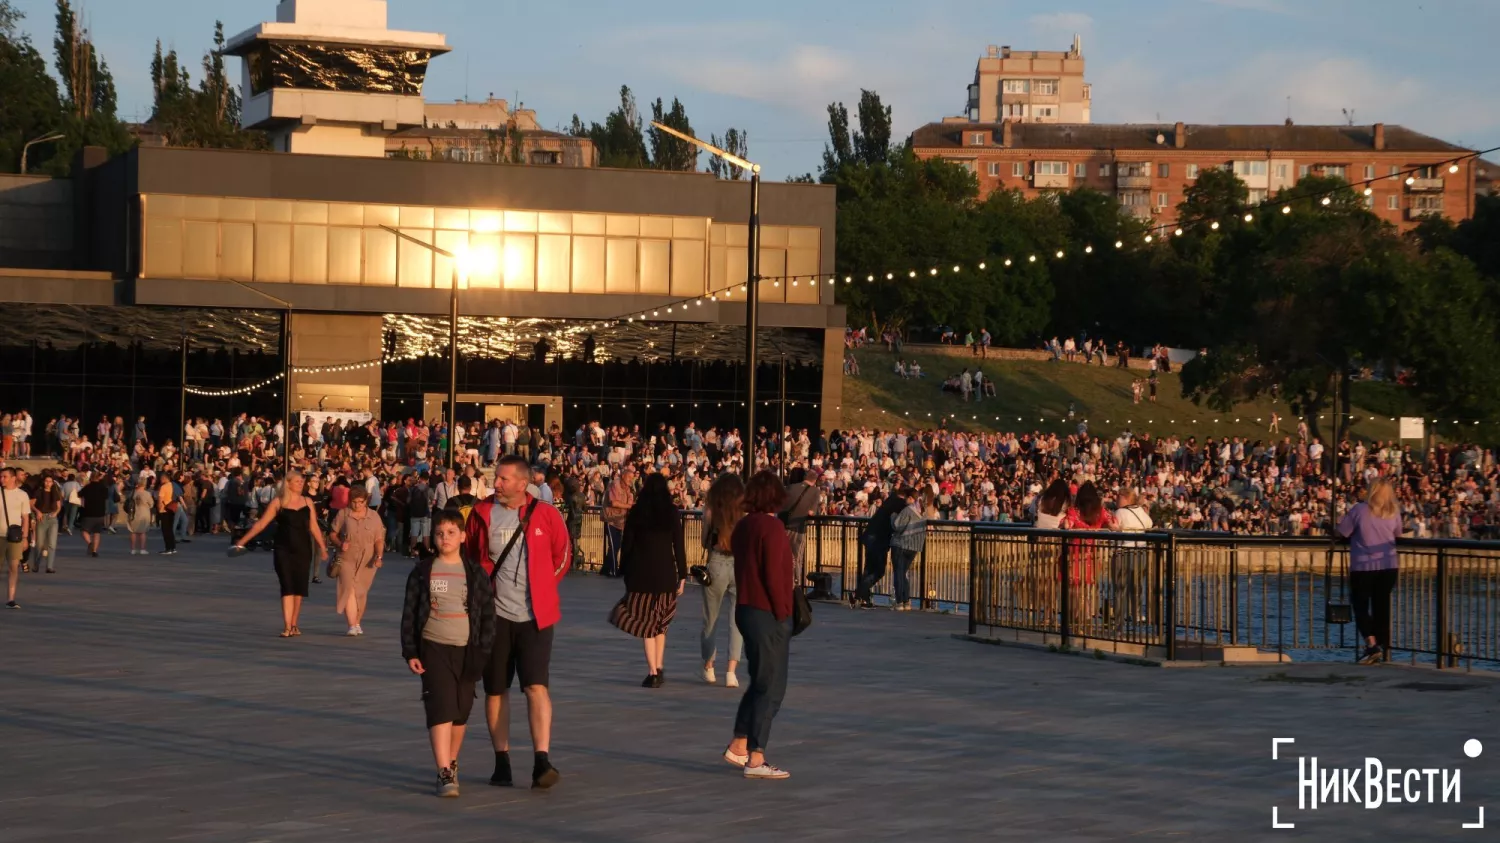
(286,633)
(296,631)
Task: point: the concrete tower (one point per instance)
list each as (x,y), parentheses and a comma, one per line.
(330,78)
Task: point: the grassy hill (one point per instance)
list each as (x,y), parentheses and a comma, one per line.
(1034,395)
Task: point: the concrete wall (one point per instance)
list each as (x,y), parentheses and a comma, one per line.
(36,222)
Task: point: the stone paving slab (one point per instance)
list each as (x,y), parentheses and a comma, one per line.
(149,699)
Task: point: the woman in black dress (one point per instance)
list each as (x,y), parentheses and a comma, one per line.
(653,561)
(296,532)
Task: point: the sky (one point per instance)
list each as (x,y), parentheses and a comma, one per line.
(772,67)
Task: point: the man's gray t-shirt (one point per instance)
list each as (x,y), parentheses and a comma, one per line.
(512,594)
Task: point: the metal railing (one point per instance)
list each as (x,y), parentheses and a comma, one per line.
(1182,595)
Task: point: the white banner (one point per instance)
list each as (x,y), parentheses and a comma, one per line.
(323,416)
(1413,428)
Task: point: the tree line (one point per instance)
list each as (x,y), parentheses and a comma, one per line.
(1289,302)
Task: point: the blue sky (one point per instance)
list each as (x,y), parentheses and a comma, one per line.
(773,66)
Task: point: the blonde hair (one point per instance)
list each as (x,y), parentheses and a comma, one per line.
(1382,499)
(1129,497)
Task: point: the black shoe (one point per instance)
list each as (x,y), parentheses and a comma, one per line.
(1371,656)
(502,778)
(649,681)
(184,541)
(315,579)
(12,605)
(658,680)
(94,553)
(544,775)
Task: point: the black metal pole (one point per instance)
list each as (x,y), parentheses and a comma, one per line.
(286,389)
(182,392)
(752,322)
(453,371)
(780,444)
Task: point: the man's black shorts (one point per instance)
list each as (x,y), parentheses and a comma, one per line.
(446,695)
(520,648)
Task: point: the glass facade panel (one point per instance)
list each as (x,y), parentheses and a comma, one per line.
(486,222)
(237,251)
(803,262)
(378,215)
(310,213)
(520,261)
(416,261)
(803,237)
(273,210)
(163,257)
(623,226)
(416,217)
(453,219)
(484,273)
(656,227)
(523,221)
(164,207)
(344,213)
(344,255)
(239,210)
(772,267)
(656,266)
(588,224)
(689,265)
(553,255)
(443,268)
(774,236)
(200,250)
(273,251)
(200,207)
(689,228)
(588,264)
(619,274)
(555,223)
(310,254)
(380,256)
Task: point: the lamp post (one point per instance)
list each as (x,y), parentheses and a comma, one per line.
(752,298)
(29,144)
(452,340)
(286,373)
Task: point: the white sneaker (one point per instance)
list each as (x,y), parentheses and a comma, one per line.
(736,760)
(353,631)
(360,630)
(766,771)
(709,676)
(731,681)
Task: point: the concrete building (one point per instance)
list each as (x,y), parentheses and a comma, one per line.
(1028,86)
(488,132)
(1149,167)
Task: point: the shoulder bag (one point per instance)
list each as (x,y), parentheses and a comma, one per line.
(13,532)
(801,611)
(786,516)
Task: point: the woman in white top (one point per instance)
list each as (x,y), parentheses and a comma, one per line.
(1131,564)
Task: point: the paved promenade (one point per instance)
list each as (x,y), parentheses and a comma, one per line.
(149,699)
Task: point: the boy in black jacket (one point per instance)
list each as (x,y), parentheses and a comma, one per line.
(447,630)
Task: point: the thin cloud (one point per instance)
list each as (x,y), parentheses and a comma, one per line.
(1270,7)
(1057,29)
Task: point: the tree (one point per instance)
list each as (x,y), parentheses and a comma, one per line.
(206,116)
(619,141)
(668,152)
(872,143)
(839,151)
(735,142)
(31,105)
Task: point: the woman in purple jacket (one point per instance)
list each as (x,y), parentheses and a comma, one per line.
(1372,528)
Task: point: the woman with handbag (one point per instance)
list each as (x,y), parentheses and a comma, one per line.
(653,561)
(359,536)
(765,584)
(725,508)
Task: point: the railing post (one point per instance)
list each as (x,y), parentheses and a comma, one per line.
(973,584)
(1234,593)
(1065,599)
(1441,621)
(922,578)
(1169,599)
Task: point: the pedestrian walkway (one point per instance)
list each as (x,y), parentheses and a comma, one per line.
(150,699)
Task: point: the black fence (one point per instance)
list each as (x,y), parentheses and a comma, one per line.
(1172,595)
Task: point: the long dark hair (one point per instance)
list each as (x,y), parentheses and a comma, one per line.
(726,506)
(653,506)
(1089,504)
(1055,498)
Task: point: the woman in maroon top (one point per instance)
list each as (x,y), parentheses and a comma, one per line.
(764,580)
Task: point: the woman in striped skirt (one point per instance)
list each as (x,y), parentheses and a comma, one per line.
(653,561)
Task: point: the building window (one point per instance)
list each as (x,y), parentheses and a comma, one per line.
(1427,203)
(1134,199)
(1161,200)
(1016,86)
(1163,171)
(1281,171)
(1333,171)
(1046,87)
(1249,168)
(1104,169)
(457,153)
(976,139)
(1370,202)
(1257,196)
(1015,109)
(995,169)
(1052,168)
(1043,111)
(1393,203)
(1135,170)
(1192,171)
(1080,171)
(1395,171)
(1018,169)
(1369,171)
(546,156)
(1302,171)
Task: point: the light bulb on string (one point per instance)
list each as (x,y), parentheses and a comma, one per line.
(913,273)
(1214,225)
(890,276)
(1148,238)
(1088,250)
(981,265)
(1177,232)
(955,268)
(1453,168)
(1031,258)
(1411,180)
(1249,217)
(1007,261)
(1286,209)
(1119,244)
(1059,254)
(1369,191)
(1327,200)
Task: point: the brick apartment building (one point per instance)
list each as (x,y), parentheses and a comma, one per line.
(1149,167)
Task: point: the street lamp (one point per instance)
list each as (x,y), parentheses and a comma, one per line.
(459,264)
(29,144)
(752,262)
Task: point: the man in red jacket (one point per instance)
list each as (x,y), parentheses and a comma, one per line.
(523,545)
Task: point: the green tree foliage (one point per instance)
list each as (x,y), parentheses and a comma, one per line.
(30,106)
(872,143)
(206,116)
(735,142)
(619,141)
(667,152)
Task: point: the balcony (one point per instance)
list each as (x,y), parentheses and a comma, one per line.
(1421,213)
(1124,182)
(1425,186)
(1041,181)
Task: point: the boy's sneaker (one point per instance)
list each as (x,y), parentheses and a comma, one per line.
(766,771)
(447,783)
(12,605)
(502,778)
(544,775)
(1371,656)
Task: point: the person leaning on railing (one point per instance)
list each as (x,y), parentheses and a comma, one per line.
(908,538)
(1372,528)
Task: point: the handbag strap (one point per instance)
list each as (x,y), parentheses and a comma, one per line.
(520,531)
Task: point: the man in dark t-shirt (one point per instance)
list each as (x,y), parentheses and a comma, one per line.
(95,497)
